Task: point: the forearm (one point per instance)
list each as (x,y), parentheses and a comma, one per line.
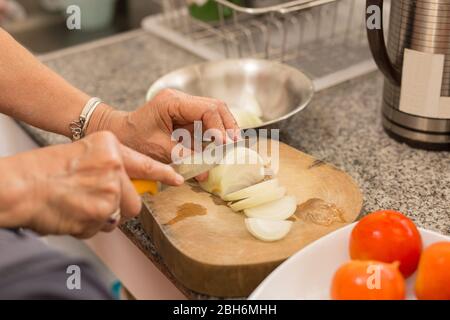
(31,92)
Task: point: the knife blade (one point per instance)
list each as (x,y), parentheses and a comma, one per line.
(193,165)
(196,164)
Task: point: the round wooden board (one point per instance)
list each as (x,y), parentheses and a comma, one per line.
(214,254)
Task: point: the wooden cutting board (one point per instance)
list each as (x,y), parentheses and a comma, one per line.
(207,247)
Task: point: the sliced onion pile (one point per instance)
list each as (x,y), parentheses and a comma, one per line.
(241,182)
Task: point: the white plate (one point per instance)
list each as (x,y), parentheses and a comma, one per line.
(308,273)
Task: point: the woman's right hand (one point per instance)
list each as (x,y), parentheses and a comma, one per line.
(75,188)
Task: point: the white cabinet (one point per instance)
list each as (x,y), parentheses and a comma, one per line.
(12,138)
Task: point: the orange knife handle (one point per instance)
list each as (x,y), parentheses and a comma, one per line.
(146,186)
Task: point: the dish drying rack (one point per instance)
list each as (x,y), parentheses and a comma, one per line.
(324,38)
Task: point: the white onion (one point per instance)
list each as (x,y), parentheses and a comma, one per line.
(246,119)
(252,190)
(241,168)
(238,180)
(259,199)
(280,209)
(268,230)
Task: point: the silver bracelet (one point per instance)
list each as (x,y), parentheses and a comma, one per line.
(78,127)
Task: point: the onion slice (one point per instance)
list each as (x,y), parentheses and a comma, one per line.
(246,119)
(268,230)
(252,190)
(280,209)
(259,199)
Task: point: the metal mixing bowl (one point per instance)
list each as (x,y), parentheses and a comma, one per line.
(280,90)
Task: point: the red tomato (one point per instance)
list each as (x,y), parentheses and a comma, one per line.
(387,236)
(433,276)
(368,280)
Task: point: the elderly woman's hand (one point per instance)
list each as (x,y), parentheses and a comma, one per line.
(149,128)
(75,188)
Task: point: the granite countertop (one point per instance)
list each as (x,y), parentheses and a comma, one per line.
(342,126)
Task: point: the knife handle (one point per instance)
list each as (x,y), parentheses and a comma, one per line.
(146,186)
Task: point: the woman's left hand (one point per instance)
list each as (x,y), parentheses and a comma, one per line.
(149,129)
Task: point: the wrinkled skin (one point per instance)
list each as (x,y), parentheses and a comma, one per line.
(75,188)
(45,189)
(149,128)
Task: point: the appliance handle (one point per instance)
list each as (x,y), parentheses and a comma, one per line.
(378,46)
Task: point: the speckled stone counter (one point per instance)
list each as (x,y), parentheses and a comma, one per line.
(342,126)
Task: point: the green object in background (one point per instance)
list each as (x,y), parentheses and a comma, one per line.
(209,10)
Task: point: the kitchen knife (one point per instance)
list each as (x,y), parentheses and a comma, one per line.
(193,165)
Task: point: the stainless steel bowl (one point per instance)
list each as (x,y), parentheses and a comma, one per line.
(280,90)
